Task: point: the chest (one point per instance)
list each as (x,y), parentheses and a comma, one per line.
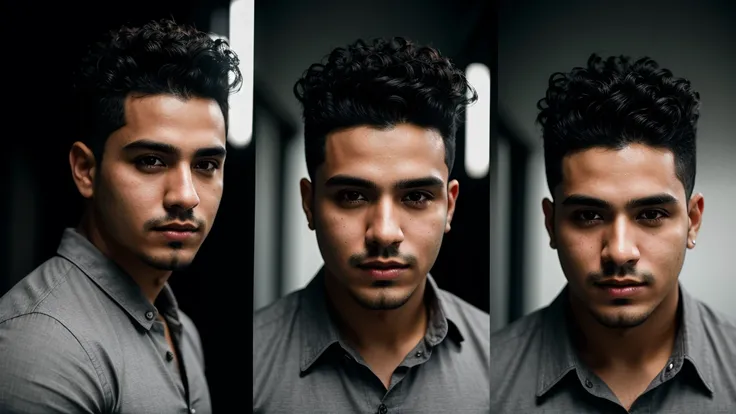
(147,377)
(442,383)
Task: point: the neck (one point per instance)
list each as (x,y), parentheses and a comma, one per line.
(151,281)
(385,329)
(602,347)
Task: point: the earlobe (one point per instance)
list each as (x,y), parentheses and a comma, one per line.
(305,187)
(695,218)
(453,191)
(84,168)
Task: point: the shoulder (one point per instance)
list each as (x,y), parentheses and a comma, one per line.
(46,287)
(274,324)
(719,328)
(45,363)
(715,319)
(269,320)
(522,331)
(468,315)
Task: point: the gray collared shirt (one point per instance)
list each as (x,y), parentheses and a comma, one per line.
(300,363)
(77,335)
(535,369)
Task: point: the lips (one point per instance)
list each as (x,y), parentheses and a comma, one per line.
(383,270)
(177,227)
(620,283)
(378,265)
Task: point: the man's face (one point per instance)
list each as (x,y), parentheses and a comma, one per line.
(621,224)
(380,205)
(161,170)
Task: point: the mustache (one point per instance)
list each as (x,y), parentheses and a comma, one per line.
(610,269)
(179,215)
(383,252)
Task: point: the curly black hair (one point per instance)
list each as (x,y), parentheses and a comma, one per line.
(381,84)
(160,57)
(613,103)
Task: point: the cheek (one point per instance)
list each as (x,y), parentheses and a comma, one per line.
(210,195)
(130,199)
(424,231)
(664,252)
(340,229)
(579,253)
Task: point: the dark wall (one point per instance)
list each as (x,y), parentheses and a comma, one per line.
(41,43)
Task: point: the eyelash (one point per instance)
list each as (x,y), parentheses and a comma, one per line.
(141,164)
(577,216)
(341,197)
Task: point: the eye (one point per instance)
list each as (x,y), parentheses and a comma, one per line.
(208,165)
(587,217)
(350,197)
(418,198)
(149,161)
(652,216)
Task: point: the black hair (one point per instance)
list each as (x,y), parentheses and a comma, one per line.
(160,57)
(613,103)
(381,84)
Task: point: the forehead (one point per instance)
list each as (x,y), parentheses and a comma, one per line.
(384,155)
(621,174)
(184,123)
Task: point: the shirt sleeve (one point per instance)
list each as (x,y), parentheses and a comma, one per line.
(44,369)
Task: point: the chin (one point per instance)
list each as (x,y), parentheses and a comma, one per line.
(168,259)
(382,295)
(627,316)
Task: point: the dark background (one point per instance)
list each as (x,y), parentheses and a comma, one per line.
(41,44)
(289,36)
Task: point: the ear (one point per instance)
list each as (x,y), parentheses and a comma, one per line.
(84,168)
(548,208)
(305,186)
(695,218)
(453,190)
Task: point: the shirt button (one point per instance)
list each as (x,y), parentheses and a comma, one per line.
(149,315)
(192,411)
(588,383)
(382,409)
(169,356)
(670,366)
(419,354)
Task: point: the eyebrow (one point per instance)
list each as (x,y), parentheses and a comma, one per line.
(654,200)
(149,145)
(349,181)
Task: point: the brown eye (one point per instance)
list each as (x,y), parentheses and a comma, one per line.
(350,197)
(417,198)
(652,216)
(149,161)
(588,216)
(208,166)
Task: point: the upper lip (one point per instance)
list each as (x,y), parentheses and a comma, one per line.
(178,227)
(377,264)
(621,282)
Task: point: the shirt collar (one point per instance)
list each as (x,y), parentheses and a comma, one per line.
(319,332)
(559,356)
(109,277)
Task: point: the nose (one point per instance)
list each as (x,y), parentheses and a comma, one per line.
(180,192)
(620,245)
(384,228)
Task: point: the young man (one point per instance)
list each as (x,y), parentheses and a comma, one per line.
(623,335)
(96,328)
(372,332)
